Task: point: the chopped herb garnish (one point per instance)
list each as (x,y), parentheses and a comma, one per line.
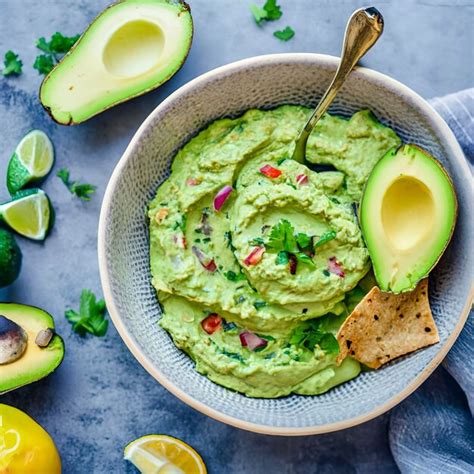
(326,273)
(335,200)
(270,11)
(325,238)
(206,240)
(229,326)
(257,241)
(232,355)
(91,316)
(260,304)
(43,63)
(282,258)
(13,64)
(232,276)
(310,333)
(57,45)
(228,239)
(81,190)
(304,240)
(197,241)
(284,35)
(282,238)
(281,160)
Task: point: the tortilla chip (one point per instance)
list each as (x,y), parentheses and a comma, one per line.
(384,326)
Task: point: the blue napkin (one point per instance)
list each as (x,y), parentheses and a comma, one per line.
(433,430)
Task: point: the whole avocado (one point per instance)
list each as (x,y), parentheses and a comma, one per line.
(10,258)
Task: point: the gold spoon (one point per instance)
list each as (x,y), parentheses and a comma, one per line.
(363,29)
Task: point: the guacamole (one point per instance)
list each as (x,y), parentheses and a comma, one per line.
(258,259)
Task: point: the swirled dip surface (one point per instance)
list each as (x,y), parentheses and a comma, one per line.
(257,258)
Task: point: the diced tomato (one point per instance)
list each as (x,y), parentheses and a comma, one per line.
(270,171)
(254,256)
(212,323)
(193,181)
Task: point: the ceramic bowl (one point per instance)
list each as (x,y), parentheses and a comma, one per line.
(266,82)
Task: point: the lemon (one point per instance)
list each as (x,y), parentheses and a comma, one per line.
(161,454)
(29,213)
(24,445)
(31,161)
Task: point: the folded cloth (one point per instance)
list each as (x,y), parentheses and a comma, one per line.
(433,430)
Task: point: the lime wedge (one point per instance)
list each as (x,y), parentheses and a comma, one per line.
(29,213)
(31,161)
(163,454)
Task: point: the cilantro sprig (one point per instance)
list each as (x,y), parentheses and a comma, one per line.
(311,333)
(91,316)
(271,12)
(282,239)
(13,64)
(83,191)
(53,49)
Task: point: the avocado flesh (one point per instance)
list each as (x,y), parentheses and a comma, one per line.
(130,48)
(35,362)
(407,215)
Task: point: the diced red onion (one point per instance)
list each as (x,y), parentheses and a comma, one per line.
(206,261)
(335,267)
(270,171)
(252,341)
(293,263)
(254,256)
(301,179)
(221,197)
(180,240)
(193,181)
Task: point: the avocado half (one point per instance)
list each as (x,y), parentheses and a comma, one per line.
(407,214)
(29,347)
(132,47)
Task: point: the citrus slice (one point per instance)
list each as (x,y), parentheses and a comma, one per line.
(29,213)
(161,454)
(31,161)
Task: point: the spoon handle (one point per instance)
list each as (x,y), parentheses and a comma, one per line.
(362,31)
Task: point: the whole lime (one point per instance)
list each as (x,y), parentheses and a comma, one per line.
(10,258)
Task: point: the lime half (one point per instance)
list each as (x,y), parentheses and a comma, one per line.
(29,213)
(10,258)
(31,161)
(165,455)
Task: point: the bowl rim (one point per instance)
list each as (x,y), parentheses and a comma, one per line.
(441,128)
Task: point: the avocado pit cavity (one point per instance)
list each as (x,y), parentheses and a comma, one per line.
(13,341)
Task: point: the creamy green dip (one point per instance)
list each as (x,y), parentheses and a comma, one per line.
(255,290)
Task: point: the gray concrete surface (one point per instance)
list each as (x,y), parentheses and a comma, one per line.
(101,398)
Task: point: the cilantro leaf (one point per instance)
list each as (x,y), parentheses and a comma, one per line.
(232,276)
(83,191)
(282,258)
(258,13)
(282,239)
(58,44)
(284,35)
(312,333)
(270,11)
(259,304)
(91,316)
(303,240)
(13,64)
(325,238)
(273,10)
(44,63)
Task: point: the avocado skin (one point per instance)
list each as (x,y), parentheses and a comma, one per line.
(186,7)
(412,149)
(56,344)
